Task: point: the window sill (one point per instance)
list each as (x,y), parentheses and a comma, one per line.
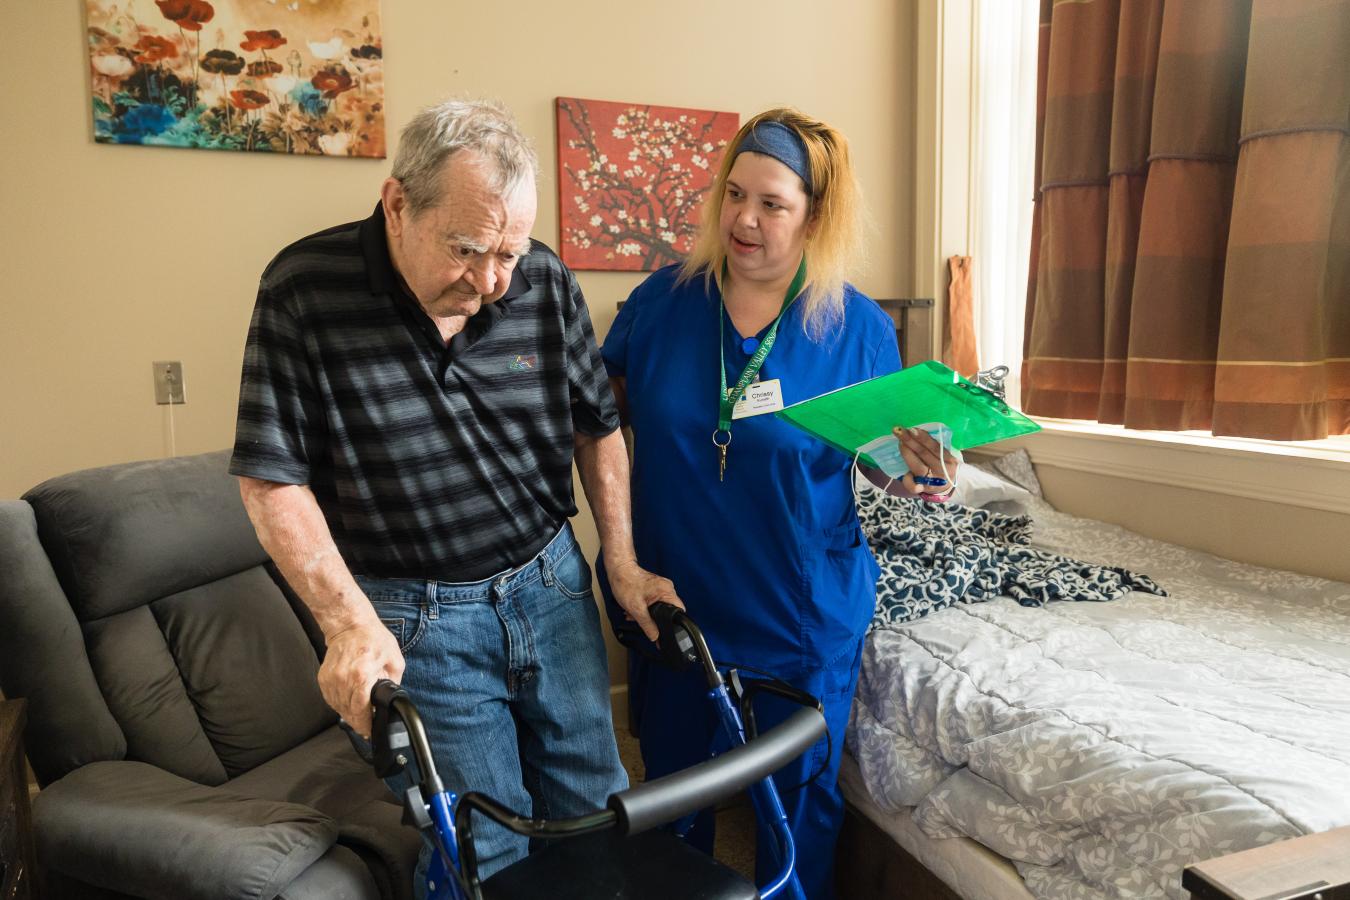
(1312,474)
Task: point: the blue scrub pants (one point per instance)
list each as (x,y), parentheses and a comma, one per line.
(677,728)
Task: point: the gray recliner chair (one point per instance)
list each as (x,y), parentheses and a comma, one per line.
(175,724)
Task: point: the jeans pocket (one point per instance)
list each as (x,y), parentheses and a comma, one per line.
(572,575)
(405,621)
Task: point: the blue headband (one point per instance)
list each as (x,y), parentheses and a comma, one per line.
(783,144)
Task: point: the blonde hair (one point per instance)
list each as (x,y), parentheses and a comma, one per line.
(835,215)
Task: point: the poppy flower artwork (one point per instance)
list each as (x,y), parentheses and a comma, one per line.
(632,179)
(261,75)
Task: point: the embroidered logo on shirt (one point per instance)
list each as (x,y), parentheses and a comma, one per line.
(522,363)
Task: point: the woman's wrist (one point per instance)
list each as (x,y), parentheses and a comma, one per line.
(941,495)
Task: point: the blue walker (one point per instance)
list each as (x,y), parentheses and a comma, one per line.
(618,852)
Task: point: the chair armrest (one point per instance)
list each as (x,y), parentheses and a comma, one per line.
(137,829)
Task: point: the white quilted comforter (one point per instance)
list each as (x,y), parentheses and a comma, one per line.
(1102,747)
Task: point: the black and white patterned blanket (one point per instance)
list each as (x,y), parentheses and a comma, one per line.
(934,555)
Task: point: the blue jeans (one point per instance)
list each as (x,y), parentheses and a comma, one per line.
(510,677)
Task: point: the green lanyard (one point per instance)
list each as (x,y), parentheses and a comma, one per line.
(726,399)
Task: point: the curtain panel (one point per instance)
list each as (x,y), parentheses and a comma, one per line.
(1190,261)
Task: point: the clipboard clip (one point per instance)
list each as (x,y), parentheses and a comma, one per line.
(986,386)
(991,381)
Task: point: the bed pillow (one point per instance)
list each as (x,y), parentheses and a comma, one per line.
(977,486)
(1016,467)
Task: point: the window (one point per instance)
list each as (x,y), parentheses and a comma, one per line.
(1005,57)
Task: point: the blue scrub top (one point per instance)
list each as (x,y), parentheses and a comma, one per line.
(771,562)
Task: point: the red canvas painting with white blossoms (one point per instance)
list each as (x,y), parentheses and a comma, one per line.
(632,180)
(280,76)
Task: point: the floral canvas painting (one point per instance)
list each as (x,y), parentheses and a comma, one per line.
(632,180)
(280,76)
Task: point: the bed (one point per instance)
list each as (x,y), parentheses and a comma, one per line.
(1090,750)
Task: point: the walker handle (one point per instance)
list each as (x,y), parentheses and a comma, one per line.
(682,642)
(676,644)
(698,787)
(396,729)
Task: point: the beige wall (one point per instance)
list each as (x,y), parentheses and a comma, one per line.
(117,256)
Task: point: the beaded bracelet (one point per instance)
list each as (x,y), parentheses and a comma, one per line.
(943,497)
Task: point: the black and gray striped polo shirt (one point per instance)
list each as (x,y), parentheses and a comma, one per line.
(444,462)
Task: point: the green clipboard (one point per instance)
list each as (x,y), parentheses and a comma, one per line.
(852,416)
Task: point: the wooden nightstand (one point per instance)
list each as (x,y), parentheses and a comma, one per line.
(18,876)
(1303,868)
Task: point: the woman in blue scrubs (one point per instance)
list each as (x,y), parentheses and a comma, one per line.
(751,518)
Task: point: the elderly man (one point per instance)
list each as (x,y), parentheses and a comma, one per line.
(415,389)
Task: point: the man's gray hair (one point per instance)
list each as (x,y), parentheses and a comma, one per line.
(483,126)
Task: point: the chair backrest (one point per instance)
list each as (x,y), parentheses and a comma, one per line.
(138,615)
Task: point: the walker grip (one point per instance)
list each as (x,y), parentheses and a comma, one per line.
(677,647)
(388,733)
(665,799)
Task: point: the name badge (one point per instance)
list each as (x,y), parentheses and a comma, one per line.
(760,397)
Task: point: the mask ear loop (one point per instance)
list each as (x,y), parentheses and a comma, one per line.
(877,493)
(942,459)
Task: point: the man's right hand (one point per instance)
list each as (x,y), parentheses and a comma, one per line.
(294,532)
(357,657)
(635,590)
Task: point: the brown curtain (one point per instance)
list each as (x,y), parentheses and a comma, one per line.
(1190,263)
(958,325)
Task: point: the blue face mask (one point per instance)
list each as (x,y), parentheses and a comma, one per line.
(885,450)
